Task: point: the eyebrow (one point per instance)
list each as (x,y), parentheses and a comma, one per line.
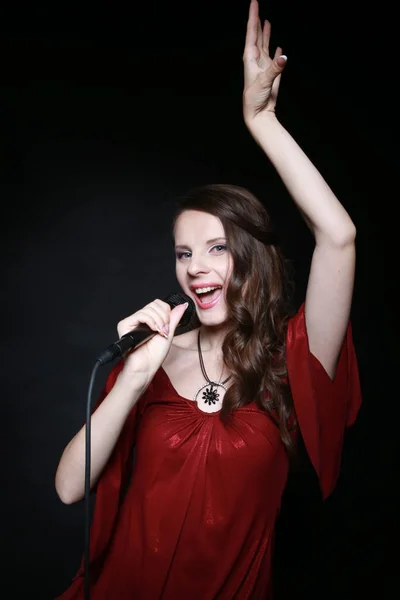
(217,239)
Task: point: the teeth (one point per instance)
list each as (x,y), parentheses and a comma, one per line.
(206,289)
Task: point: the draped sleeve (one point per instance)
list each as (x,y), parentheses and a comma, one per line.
(324,407)
(109,490)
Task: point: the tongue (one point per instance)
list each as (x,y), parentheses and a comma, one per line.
(209,296)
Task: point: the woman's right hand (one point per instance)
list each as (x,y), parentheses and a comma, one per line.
(142,363)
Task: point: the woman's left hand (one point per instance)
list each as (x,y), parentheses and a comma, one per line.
(261,73)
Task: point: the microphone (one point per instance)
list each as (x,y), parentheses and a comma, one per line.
(143,332)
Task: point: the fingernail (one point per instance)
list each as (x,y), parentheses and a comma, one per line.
(186,305)
(163,333)
(165,329)
(284,58)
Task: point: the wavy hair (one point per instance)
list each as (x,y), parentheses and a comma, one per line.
(258,304)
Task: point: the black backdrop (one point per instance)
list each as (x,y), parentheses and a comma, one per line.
(107,115)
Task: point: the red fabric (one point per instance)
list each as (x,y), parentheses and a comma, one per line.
(324,408)
(199,515)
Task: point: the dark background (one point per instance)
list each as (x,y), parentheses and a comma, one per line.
(108,114)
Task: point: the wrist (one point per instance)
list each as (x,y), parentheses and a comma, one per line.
(266,131)
(262,121)
(128,386)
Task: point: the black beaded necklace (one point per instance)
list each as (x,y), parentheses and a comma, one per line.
(210,394)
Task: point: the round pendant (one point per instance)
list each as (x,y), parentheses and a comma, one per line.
(210,393)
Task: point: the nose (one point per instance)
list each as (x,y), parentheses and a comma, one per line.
(197,264)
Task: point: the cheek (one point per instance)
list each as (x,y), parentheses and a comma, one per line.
(179,271)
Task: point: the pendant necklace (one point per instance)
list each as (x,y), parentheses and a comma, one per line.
(210,393)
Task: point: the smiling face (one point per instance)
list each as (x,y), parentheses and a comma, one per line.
(203,263)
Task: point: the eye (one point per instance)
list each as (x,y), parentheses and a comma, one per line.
(219,247)
(180,255)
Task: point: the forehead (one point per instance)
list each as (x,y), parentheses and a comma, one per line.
(193,226)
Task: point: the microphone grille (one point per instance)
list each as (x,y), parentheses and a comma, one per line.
(190,313)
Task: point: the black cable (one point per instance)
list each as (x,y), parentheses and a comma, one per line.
(87,481)
(116,350)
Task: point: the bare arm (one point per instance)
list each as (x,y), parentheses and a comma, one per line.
(331,279)
(106,425)
(108,420)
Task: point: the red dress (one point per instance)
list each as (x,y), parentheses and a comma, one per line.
(197,521)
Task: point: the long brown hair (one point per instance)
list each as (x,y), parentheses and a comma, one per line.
(258,303)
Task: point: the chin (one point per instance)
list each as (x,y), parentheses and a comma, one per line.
(212,318)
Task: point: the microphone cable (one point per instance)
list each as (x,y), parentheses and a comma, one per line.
(87,481)
(187,322)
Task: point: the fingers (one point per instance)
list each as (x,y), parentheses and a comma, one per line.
(141,317)
(252,25)
(279,58)
(259,36)
(163,312)
(175,317)
(255,34)
(271,75)
(159,318)
(156,315)
(266,34)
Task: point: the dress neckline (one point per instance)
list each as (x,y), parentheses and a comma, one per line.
(192,402)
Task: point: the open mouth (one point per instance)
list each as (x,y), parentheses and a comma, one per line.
(207,296)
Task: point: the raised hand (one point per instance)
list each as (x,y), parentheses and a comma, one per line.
(141,364)
(262,73)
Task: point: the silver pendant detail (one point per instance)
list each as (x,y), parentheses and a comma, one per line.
(210,395)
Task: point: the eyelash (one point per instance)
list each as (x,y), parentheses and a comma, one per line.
(180,255)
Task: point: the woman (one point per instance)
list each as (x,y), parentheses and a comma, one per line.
(214,413)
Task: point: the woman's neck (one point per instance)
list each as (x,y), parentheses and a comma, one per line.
(212,338)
